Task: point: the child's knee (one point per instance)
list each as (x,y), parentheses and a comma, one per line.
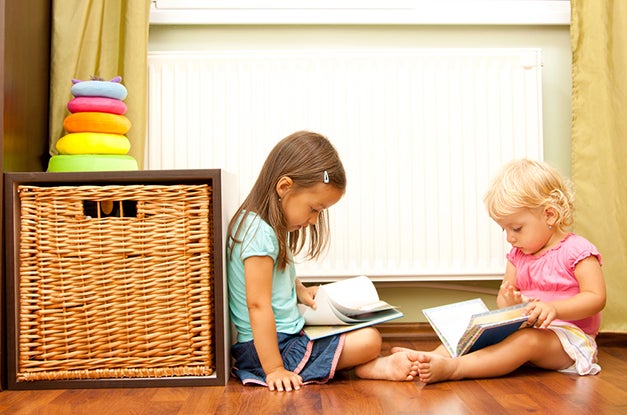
(374,340)
(374,336)
(370,338)
(534,339)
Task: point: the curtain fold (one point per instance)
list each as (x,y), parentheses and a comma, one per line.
(102,38)
(599,141)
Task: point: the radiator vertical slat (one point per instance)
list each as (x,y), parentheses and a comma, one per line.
(420,132)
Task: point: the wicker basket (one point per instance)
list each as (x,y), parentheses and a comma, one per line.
(115,282)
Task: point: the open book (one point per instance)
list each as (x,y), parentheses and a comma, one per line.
(346,305)
(468,325)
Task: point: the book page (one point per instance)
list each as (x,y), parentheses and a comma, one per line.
(349,301)
(503,314)
(355,298)
(324,314)
(450,321)
(352,293)
(362,312)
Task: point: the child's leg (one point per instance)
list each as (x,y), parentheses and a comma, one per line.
(539,347)
(361,351)
(360,346)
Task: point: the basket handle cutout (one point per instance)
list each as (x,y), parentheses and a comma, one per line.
(110,208)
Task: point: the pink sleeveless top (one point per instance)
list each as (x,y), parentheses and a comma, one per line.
(551,275)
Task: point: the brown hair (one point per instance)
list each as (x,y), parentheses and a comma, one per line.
(307,158)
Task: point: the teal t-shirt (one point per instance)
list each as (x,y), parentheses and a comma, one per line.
(258,239)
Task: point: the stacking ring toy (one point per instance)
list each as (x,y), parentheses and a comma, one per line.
(97,104)
(91,162)
(93,143)
(99,89)
(97,122)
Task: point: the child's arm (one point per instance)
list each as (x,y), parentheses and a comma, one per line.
(258,275)
(508,293)
(589,301)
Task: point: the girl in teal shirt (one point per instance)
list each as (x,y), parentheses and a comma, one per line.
(284,213)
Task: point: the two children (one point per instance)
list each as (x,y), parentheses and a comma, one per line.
(285,213)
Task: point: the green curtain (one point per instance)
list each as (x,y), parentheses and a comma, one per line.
(103,38)
(599,141)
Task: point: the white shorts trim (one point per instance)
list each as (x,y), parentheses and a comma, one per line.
(580,346)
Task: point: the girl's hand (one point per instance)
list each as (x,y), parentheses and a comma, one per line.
(306,295)
(282,379)
(540,314)
(509,295)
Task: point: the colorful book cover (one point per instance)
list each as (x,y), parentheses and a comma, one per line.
(467,326)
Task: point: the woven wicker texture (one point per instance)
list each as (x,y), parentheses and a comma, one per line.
(124,295)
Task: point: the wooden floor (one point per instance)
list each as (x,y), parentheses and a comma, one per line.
(525,391)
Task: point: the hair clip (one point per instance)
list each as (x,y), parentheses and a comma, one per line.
(325,177)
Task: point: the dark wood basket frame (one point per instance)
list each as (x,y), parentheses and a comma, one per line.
(212,177)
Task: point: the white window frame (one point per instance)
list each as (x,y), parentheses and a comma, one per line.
(402,12)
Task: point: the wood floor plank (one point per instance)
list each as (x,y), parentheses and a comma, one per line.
(398,398)
(26,402)
(439,400)
(512,395)
(202,400)
(258,400)
(93,401)
(525,391)
(476,399)
(354,400)
(333,403)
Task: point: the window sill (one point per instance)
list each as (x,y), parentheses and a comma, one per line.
(364,12)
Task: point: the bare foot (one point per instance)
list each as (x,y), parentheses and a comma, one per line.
(441,350)
(401,366)
(433,367)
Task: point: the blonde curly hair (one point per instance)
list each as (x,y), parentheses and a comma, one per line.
(530,184)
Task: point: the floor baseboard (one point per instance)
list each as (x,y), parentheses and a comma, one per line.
(406,331)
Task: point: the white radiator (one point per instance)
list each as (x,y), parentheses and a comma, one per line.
(420,132)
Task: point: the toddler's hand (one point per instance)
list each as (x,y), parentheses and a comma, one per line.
(526,299)
(282,380)
(509,295)
(540,314)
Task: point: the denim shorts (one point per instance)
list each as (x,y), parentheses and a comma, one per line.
(314,361)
